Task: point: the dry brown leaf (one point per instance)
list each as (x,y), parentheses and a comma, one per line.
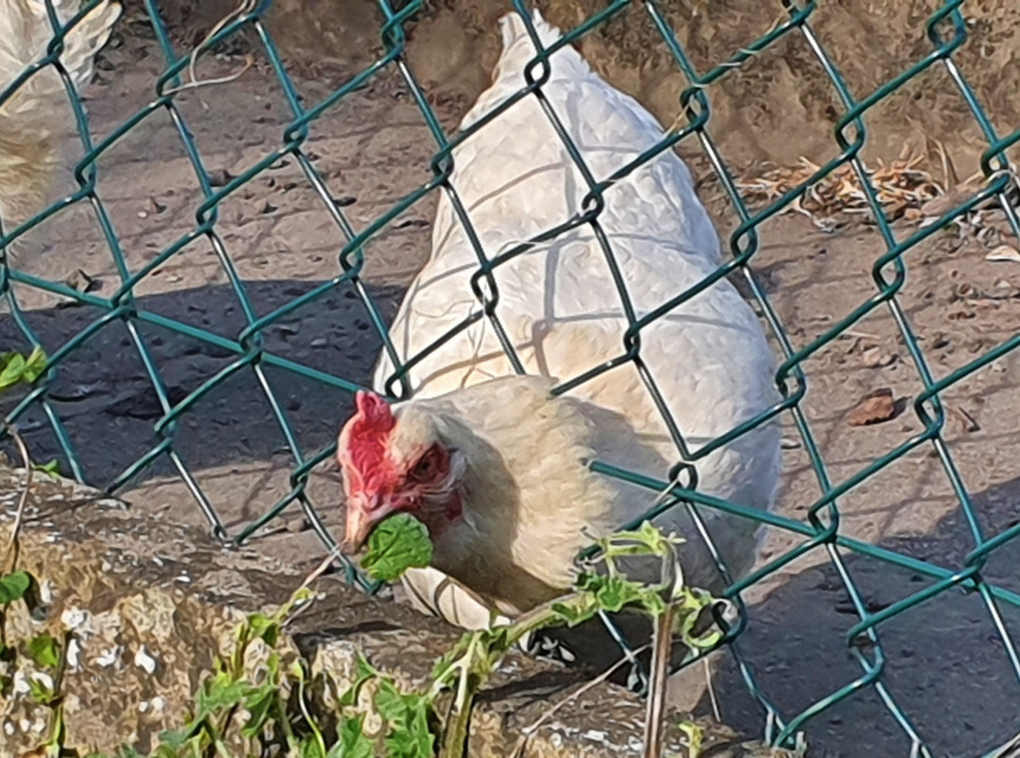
(1004,253)
(875,407)
(899,187)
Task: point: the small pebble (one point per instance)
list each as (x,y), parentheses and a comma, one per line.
(877,358)
(108,657)
(220,177)
(145,661)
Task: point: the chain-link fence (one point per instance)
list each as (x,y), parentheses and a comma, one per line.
(946,32)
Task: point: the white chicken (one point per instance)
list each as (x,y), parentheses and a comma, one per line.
(34,118)
(496,467)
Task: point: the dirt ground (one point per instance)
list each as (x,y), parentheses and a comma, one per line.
(778,109)
(945,664)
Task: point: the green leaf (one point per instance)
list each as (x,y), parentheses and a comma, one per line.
(175,739)
(44,650)
(693,602)
(414,739)
(615,593)
(34,366)
(259,704)
(220,691)
(576,611)
(695,737)
(40,692)
(441,666)
(14,368)
(14,586)
(297,669)
(389,702)
(364,673)
(265,628)
(352,740)
(51,469)
(406,715)
(570,614)
(398,543)
(310,747)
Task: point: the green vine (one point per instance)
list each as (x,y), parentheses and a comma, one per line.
(289,712)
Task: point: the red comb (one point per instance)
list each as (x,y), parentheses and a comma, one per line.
(372,424)
(374,410)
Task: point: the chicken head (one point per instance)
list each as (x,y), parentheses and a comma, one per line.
(392,464)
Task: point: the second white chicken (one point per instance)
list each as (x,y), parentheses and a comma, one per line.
(564,315)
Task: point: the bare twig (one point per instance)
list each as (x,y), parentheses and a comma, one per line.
(901,189)
(315,574)
(11,559)
(970,423)
(716,711)
(950,177)
(321,568)
(249,61)
(861,335)
(246,6)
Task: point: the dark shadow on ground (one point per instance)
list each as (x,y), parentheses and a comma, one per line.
(946,665)
(108,406)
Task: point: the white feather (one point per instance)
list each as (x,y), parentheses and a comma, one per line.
(562,311)
(35,116)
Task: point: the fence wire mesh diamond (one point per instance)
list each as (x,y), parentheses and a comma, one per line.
(946,32)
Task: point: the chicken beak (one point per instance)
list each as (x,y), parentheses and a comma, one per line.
(361,519)
(356,530)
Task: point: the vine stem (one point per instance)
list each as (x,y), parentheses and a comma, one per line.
(455,737)
(655,718)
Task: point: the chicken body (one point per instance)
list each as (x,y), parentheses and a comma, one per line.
(36,116)
(563,313)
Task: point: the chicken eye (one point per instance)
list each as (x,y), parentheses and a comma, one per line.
(426,467)
(423,469)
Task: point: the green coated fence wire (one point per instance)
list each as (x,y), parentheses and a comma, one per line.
(946,32)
